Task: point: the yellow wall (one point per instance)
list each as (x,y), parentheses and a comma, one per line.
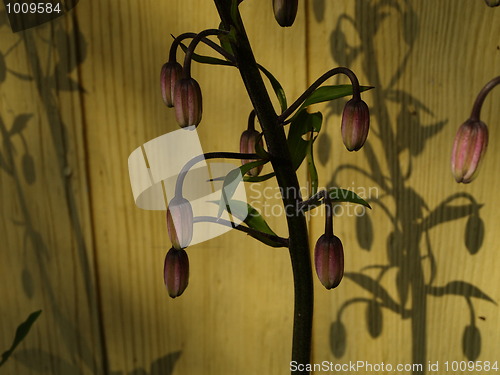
(76,246)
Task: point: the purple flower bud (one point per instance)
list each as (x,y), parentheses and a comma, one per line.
(285,11)
(176,272)
(171,72)
(187,102)
(180,222)
(355,124)
(329,260)
(470,144)
(248,140)
(492,3)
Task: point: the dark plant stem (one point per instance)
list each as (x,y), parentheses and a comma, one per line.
(478,104)
(287,180)
(241,228)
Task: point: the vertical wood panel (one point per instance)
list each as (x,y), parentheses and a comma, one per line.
(47,257)
(428,61)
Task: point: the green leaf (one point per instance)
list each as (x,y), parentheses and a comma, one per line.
(259,147)
(338,195)
(264,177)
(327,93)
(21,333)
(207,59)
(302,124)
(313,172)
(232,180)
(278,89)
(253,219)
(224,40)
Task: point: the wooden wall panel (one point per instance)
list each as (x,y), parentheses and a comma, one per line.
(78,247)
(47,244)
(239,296)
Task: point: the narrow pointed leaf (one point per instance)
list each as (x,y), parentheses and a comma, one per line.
(278,89)
(313,172)
(327,93)
(253,219)
(207,59)
(231,181)
(259,178)
(338,195)
(303,124)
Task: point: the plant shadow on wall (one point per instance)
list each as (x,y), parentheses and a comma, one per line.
(67,49)
(409,249)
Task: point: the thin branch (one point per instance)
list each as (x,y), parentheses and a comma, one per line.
(340,70)
(250,231)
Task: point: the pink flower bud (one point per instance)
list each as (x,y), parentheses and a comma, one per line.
(187,102)
(470,144)
(285,11)
(248,140)
(355,124)
(180,222)
(329,260)
(176,272)
(171,72)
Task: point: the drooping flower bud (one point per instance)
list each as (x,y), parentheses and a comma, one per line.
(470,144)
(492,3)
(285,11)
(248,141)
(355,124)
(180,222)
(176,272)
(187,102)
(171,72)
(329,260)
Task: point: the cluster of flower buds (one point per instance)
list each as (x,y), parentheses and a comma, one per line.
(248,141)
(329,254)
(470,144)
(180,231)
(285,11)
(355,124)
(181,92)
